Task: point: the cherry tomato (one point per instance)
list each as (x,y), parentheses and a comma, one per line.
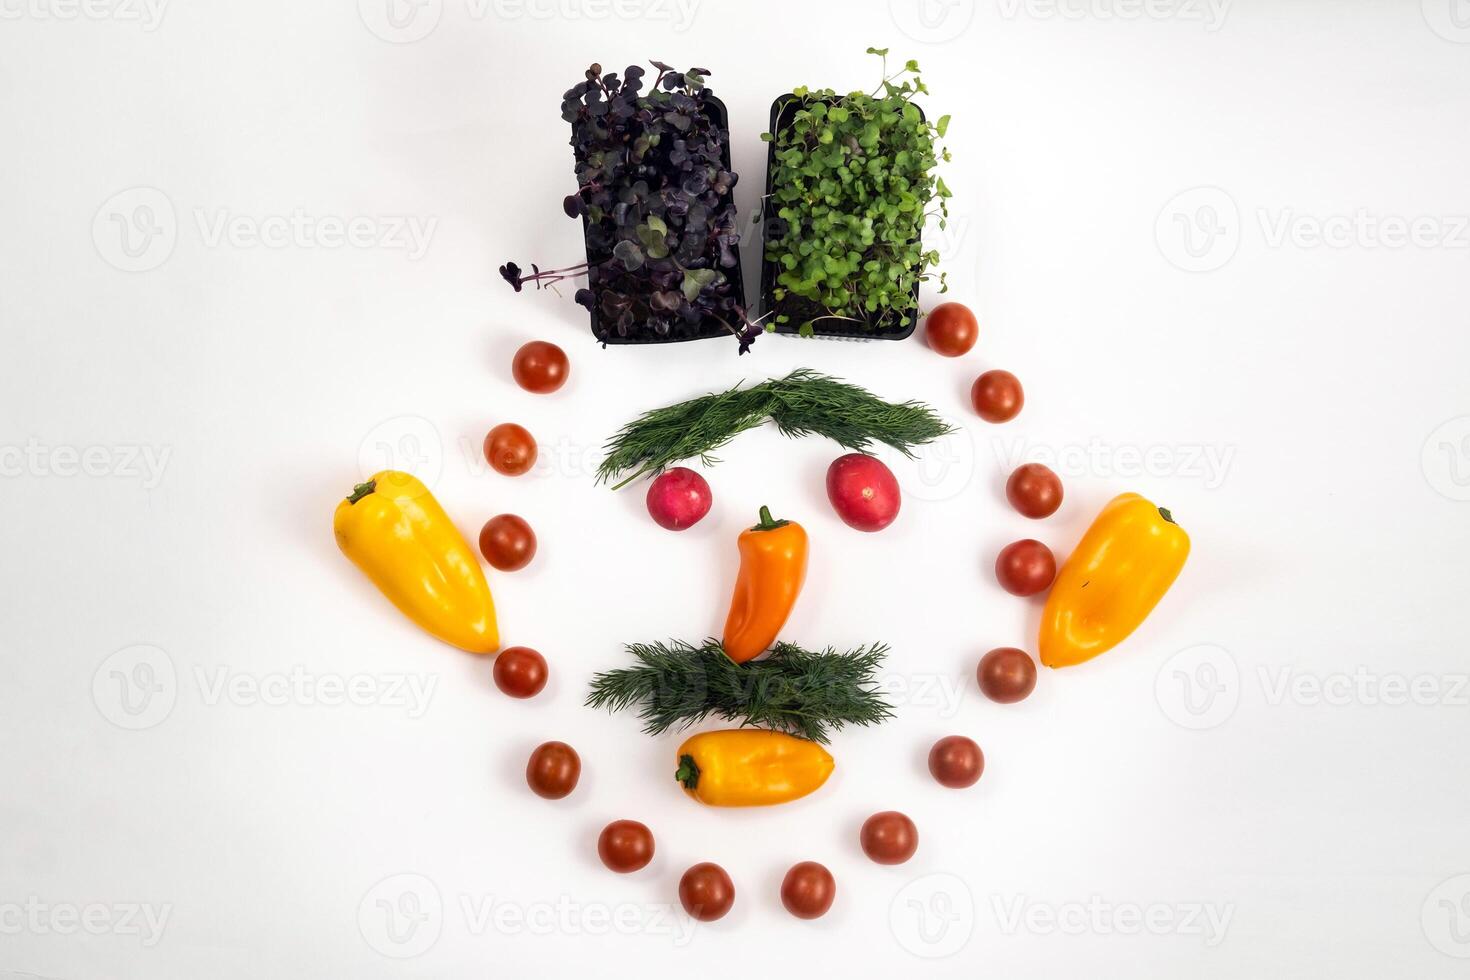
(951,329)
(807,890)
(507,542)
(997,396)
(889,837)
(1025,567)
(1034,491)
(625,846)
(956,762)
(553,770)
(540,367)
(509,449)
(1006,675)
(706,892)
(520,672)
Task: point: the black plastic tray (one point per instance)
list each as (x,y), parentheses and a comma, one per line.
(710,327)
(782,109)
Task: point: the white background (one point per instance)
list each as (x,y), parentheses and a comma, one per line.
(1300,403)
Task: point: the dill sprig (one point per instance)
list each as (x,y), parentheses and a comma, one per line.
(802,403)
(676,685)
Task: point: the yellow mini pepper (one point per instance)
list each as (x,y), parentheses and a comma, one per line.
(750,767)
(1119,571)
(395,531)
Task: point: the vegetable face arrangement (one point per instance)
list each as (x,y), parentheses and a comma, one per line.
(852,182)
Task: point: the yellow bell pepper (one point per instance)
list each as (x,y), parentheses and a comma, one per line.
(395,531)
(750,767)
(1119,571)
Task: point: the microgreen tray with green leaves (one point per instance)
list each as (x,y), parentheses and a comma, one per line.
(850,181)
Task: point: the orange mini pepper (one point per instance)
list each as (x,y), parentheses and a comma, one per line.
(1118,572)
(772,570)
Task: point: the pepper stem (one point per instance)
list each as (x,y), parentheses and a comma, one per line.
(768,523)
(688,772)
(362,490)
(1164,513)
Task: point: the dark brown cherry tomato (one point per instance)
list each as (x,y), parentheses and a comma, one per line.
(625,846)
(951,329)
(1025,567)
(553,770)
(706,892)
(889,837)
(507,542)
(807,890)
(997,396)
(520,672)
(1034,491)
(509,449)
(956,762)
(1005,675)
(540,367)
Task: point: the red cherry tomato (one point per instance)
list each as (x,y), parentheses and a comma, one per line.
(807,890)
(625,846)
(540,367)
(889,837)
(997,396)
(951,329)
(1025,567)
(706,892)
(510,449)
(553,770)
(1034,491)
(520,672)
(507,542)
